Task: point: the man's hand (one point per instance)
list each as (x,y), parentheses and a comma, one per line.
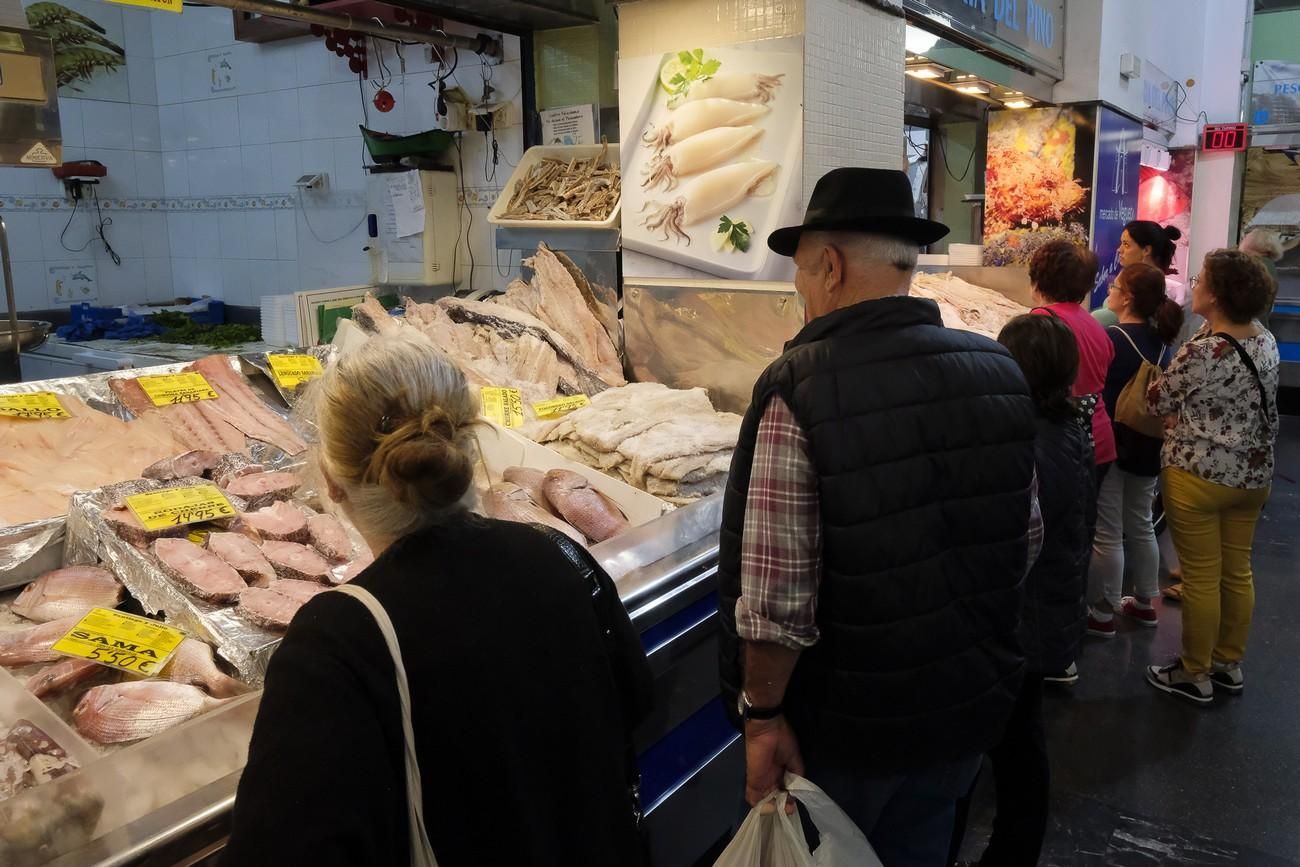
(771,749)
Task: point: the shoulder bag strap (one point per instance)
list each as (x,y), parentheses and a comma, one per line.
(421,850)
(1129,338)
(1254,371)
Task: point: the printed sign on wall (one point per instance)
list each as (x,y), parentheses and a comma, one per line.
(1115,197)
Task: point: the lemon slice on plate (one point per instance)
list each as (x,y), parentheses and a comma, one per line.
(672,68)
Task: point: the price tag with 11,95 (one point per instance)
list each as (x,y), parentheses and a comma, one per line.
(165,389)
(504,406)
(120,640)
(290,371)
(176,507)
(39,404)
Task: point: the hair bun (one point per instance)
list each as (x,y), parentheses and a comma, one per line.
(1173,233)
(422,462)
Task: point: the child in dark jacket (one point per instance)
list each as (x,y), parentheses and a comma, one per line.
(1054,614)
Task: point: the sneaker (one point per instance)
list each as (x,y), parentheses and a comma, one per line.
(1068,677)
(1227,676)
(1175,680)
(1100,628)
(1146,616)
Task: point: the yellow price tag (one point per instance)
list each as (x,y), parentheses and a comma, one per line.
(560,406)
(176,507)
(176,6)
(121,640)
(505,406)
(165,389)
(40,404)
(290,371)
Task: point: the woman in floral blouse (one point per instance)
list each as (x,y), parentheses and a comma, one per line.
(1220,399)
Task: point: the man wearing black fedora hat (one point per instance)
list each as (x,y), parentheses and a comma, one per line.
(875,533)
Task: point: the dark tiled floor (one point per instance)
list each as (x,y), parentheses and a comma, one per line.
(1142,779)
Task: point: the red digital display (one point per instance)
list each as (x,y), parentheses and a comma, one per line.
(1225,137)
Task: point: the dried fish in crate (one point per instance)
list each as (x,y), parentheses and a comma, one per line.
(581,189)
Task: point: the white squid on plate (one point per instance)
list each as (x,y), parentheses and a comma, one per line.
(698,153)
(709,195)
(697,117)
(740,86)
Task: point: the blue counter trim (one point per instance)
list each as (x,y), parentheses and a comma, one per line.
(1289,351)
(671,762)
(663,632)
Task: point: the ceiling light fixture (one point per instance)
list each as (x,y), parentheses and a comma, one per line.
(973,87)
(1018,102)
(927,71)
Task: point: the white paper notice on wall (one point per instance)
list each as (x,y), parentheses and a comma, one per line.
(569,125)
(72,284)
(408,203)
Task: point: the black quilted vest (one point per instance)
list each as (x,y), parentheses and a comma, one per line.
(923,442)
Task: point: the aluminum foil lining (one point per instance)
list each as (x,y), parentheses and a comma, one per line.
(90,540)
(30,549)
(256,362)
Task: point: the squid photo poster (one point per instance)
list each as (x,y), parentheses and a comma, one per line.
(712,158)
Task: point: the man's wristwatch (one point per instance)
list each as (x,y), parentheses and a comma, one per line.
(747,710)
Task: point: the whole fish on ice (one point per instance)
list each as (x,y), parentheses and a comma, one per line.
(68,591)
(595,515)
(193,663)
(507,501)
(123,712)
(62,676)
(32,644)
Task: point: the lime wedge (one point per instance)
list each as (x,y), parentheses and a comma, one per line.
(672,68)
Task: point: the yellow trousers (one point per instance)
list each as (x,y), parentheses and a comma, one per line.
(1213,528)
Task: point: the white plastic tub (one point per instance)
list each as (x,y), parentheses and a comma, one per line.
(535,155)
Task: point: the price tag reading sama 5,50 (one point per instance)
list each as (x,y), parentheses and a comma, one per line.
(177,507)
(39,404)
(165,389)
(121,640)
(505,406)
(560,406)
(290,371)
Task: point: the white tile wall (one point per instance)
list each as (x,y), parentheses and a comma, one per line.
(853,88)
(164,134)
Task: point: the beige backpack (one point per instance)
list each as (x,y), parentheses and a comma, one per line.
(1131,408)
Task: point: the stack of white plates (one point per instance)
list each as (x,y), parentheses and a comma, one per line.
(280,320)
(966,254)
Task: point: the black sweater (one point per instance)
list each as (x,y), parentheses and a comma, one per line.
(521,718)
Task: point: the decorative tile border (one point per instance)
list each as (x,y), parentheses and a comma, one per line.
(212,203)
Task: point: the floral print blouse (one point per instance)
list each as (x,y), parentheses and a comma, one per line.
(1216,429)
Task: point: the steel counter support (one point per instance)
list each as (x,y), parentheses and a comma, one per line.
(11,301)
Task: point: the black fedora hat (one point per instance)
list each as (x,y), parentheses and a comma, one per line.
(861,200)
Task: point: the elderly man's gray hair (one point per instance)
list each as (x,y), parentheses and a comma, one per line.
(867,247)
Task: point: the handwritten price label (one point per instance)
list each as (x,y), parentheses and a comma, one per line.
(177,507)
(40,404)
(166,389)
(505,406)
(560,406)
(290,371)
(120,640)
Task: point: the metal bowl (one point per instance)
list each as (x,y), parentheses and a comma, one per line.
(31,334)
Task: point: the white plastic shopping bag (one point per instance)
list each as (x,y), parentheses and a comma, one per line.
(770,838)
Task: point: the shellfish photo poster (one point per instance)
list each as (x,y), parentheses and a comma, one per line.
(711,154)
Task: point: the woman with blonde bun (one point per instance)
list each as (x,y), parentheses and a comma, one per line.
(523,675)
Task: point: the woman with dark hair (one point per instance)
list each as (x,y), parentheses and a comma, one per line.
(1145,242)
(1053,612)
(1062,274)
(1148,322)
(1220,397)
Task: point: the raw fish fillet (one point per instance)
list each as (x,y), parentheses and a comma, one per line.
(62,676)
(243,555)
(198,571)
(329,537)
(275,606)
(263,489)
(279,522)
(122,712)
(192,662)
(531,481)
(965,305)
(296,562)
(193,463)
(68,591)
(595,515)
(32,644)
(232,466)
(195,424)
(509,502)
(44,461)
(244,409)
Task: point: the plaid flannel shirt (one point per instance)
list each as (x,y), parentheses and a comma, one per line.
(781,550)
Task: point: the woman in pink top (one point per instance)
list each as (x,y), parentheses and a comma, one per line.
(1062,274)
